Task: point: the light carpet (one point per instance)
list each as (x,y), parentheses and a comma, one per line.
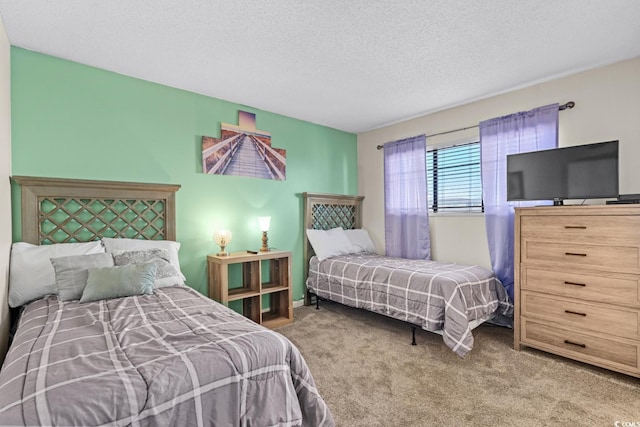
(370,375)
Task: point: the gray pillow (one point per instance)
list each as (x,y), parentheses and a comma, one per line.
(71,272)
(117,282)
(166,273)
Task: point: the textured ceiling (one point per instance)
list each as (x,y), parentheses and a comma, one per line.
(353,65)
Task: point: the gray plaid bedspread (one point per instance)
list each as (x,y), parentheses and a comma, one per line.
(170,358)
(433,295)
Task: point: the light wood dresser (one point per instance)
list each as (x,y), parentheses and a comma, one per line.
(577,274)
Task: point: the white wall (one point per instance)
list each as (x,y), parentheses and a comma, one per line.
(5,194)
(607,107)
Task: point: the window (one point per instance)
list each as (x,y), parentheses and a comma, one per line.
(454,179)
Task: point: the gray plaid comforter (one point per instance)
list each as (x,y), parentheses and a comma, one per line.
(433,295)
(170,358)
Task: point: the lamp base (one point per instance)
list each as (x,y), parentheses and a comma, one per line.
(265,246)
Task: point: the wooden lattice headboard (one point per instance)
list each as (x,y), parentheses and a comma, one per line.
(56,210)
(325,211)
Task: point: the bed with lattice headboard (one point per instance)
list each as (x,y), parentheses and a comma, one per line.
(165,354)
(447,298)
(60,210)
(326,211)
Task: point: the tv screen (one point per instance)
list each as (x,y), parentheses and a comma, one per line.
(581,172)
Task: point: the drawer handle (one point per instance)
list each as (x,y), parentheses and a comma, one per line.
(575,312)
(575,343)
(574,254)
(578,227)
(574,283)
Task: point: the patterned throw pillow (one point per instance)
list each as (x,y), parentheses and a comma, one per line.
(126,245)
(166,274)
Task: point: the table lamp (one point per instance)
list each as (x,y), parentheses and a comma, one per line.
(263,222)
(222,238)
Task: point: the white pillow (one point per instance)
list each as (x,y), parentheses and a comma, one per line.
(360,239)
(128,245)
(31,275)
(330,243)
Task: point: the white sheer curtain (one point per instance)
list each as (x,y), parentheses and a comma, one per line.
(520,132)
(405,196)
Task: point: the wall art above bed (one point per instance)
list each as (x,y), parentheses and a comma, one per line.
(243,150)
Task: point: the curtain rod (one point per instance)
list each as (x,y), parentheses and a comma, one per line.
(569,105)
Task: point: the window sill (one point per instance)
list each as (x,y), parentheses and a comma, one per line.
(453,214)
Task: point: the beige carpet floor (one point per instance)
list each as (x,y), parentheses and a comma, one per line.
(370,375)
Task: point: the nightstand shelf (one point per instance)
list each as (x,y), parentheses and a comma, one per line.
(239,293)
(262,282)
(270,289)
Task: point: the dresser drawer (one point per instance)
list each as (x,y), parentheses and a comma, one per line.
(578,345)
(619,321)
(610,288)
(616,230)
(610,258)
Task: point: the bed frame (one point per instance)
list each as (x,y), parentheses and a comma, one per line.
(323,212)
(326,211)
(56,210)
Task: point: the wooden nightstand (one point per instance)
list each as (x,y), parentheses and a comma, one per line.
(264,280)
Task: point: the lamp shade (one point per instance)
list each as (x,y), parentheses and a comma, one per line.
(222,237)
(263,222)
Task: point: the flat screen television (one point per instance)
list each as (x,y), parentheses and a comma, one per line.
(581,172)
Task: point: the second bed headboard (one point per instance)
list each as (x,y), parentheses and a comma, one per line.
(326,211)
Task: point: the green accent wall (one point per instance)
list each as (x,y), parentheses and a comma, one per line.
(74,121)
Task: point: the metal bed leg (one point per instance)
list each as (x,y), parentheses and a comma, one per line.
(310,296)
(413,333)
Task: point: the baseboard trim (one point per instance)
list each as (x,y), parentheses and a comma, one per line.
(296,304)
